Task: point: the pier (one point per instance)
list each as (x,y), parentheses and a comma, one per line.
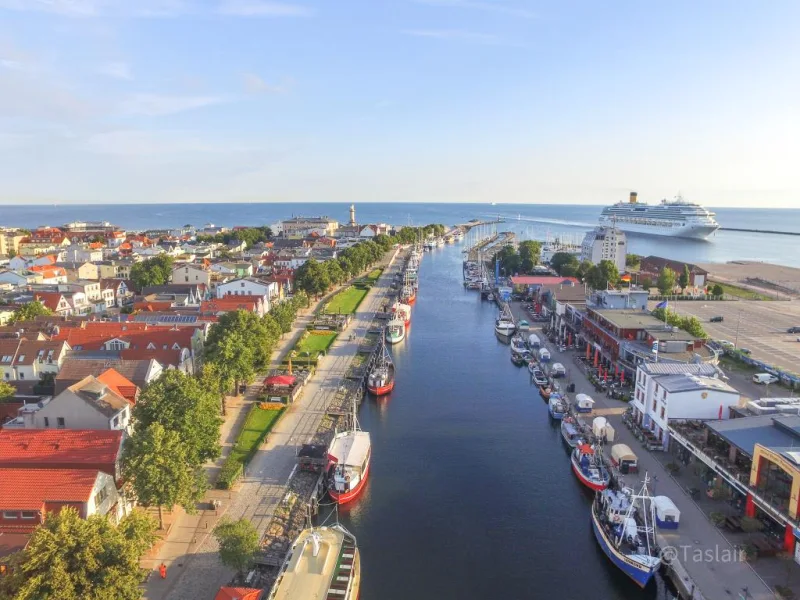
(767,231)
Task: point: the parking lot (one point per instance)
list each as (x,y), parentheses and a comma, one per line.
(759,326)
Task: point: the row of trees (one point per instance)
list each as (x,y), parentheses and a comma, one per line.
(690,323)
(250,236)
(409,235)
(598,277)
(315,278)
(521,260)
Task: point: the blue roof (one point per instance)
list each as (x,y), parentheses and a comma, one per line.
(772,431)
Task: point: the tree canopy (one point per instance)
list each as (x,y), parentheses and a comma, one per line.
(717,290)
(685,277)
(250,236)
(633,260)
(602,275)
(689,324)
(7,391)
(666,281)
(153,271)
(409,235)
(29,311)
(238,542)
(162,469)
(530,253)
(565,264)
(181,404)
(312,277)
(70,558)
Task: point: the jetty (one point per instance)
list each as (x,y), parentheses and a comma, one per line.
(767,231)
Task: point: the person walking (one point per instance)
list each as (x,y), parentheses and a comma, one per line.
(162,570)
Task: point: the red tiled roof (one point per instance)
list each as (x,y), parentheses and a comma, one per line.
(51,300)
(165,357)
(119,384)
(45,448)
(238,593)
(47,271)
(30,489)
(541,280)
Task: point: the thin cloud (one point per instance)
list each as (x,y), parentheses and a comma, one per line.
(459,35)
(116,70)
(263,8)
(495,7)
(155,105)
(72,8)
(253,84)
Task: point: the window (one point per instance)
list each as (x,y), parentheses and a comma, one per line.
(28,514)
(61,423)
(21,358)
(654,405)
(100,497)
(21,375)
(187,278)
(9,514)
(116,422)
(242,284)
(662,413)
(47,421)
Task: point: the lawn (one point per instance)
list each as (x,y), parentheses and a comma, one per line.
(315,342)
(346,302)
(374,275)
(743,293)
(256,426)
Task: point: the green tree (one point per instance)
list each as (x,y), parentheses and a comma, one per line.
(7,391)
(335,273)
(181,404)
(300,300)
(565,264)
(70,558)
(632,260)
(717,290)
(602,275)
(162,470)
(284,314)
(583,270)
(646,283)
(217,380)
(153,271)
(29,311)
(666,281)
(692,325)
(312,277)
(685,277)
(530,253)
(238,543)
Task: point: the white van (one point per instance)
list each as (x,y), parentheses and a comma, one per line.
(764,378)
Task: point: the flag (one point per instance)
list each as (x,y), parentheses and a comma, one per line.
(625,277)
(655,346)
(663,304)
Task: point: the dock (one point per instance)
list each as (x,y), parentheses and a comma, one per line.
(767,231)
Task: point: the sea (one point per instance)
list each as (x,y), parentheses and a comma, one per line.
(529,221)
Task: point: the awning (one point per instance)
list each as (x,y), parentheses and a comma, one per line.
(286,380)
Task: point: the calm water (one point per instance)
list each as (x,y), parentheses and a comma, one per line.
(533,221)
(471,495)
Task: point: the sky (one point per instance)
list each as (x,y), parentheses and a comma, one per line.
(152,101)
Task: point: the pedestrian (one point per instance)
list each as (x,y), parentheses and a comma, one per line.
(162,570)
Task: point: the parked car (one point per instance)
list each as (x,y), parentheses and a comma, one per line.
(717,319)
(725,343)
(793,330)
(764,378)
(745,350)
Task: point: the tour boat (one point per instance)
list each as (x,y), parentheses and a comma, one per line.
(504,326)
(349,457)
(556,406)
(380,380)
(402,312)
(322,563)
(571,432)
(624,525)
(589,468)
(395,331)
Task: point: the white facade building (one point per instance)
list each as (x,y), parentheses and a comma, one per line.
(193,274)
(672,391)
(267,290)
(605,243)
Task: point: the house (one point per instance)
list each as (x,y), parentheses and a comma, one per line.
(27,495)
(19,279)
(268,290)
(120,294)
(84,254)
(292,258)
(191,273)
(77,367)
(9,241)
(90,289)
(88,404)
(77,271)
(195,292)
(50,274)
(219,306)
(28,360)
(18,264)
(666,392)
(605,243)
(236,246)
(304,225)
(651,266)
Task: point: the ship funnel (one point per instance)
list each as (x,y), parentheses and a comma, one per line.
(633,197)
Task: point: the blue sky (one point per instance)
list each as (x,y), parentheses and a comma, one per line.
(399,100)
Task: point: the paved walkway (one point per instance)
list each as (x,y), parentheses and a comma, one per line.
(699,546)
(194,570)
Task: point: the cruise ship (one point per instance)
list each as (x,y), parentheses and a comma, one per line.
(676,218)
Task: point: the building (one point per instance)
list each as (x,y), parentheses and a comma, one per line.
(191,273)
(668,391)
(54,301)
(120,294)
(77,367)
(302,226)
(651,266)
(83,254)
(102,227)
(28,360)
(50,274)
(80,270)
(268,290)
(9,241)
(605,243)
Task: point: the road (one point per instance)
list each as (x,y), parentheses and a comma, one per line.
(264,483)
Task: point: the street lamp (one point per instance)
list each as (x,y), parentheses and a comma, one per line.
(738,323)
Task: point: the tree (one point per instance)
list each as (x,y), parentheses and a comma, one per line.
(335,273)
(29,311)
(685,277)
(284,314)
(666,281)
(583,270)
(153,271)
(530,252)
(238,542)
(312,277)
(161,470)
(300,300)
(717,290)
(70,558)
(7,391)
(646,283)
(181,404)
(565,264)
(218,381)
(632,260)
(603,274)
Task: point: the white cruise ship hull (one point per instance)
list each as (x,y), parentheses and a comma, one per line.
(677,229)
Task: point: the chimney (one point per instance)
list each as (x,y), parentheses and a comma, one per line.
(633,197)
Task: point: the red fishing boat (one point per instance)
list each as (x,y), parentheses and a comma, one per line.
(588,467)
(402,311)
(380,380)
(349,457)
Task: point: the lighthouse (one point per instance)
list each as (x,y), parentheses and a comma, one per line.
(352,215)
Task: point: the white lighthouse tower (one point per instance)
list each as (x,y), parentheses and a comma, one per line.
(352,215)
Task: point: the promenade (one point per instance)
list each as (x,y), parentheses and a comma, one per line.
(196,572)
(704,553)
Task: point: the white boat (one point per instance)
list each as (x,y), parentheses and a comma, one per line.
(395,331)
(676,218)
(323,562)
(571,432)
(556,406)
(504,325)
(518,344)
(557,370)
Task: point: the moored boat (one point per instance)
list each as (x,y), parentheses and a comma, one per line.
(518,344)
(587,464)
(556,407)
(504,325)
(380,380)
(395,331)
(623,524)
(518,359)
(545,391)
(524,325)
(322,563)
(571,432)
(349,455)
(402,312)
